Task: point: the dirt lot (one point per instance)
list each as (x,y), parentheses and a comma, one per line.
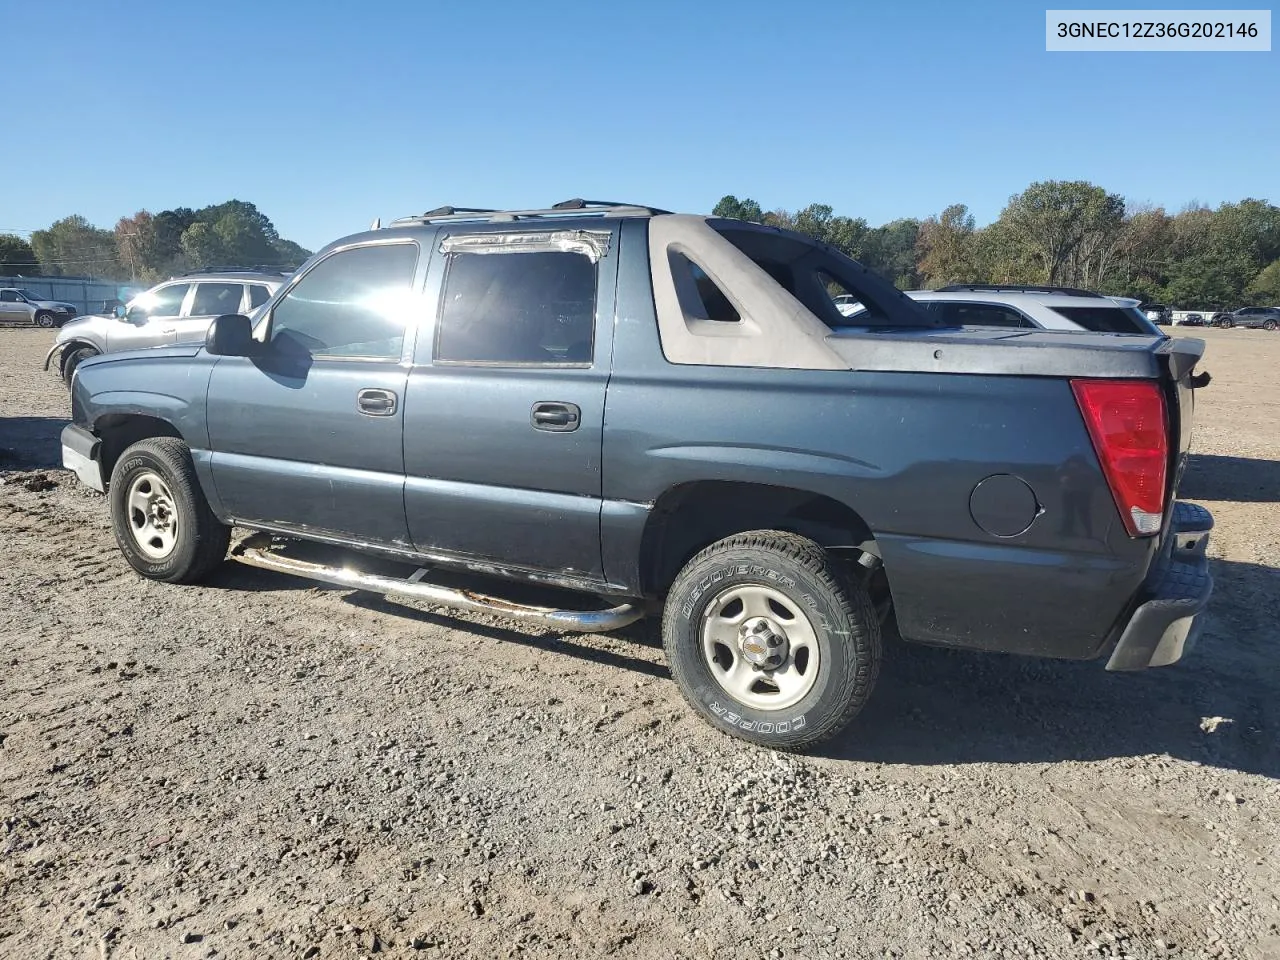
(261,768)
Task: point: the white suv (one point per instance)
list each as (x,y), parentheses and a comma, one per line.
(176,311)
(1044,308)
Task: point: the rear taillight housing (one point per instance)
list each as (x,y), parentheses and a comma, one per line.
(1129,426)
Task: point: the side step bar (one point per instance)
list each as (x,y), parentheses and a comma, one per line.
(256,550)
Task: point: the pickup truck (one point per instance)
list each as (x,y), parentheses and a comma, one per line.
(668,415)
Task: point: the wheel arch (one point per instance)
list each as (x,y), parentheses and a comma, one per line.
(69,347)
(691,516)
(119,431)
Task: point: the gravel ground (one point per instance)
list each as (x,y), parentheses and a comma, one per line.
(258,767)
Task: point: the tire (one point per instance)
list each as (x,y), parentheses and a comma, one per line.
(72,360)
(830,636)
(1227,323)
(176,538)
(44,319)
(1268,324)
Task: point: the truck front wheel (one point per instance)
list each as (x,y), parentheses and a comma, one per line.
(162,521)
(768,641)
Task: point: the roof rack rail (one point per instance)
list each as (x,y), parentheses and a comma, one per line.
(1017,288)
(565,208)
(260,268)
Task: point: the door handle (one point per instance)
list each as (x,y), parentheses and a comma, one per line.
(555,416)
(376,403)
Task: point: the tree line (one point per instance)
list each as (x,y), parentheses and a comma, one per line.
(147,247)
(1065,233)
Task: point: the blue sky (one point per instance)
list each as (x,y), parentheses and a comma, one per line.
(330,116)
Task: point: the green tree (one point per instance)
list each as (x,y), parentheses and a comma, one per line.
(73,246)
(890,250)
(1266,285)
(1065,232)
(17,257)
(203,247)
(290,255)
(137,246)
(947,248)
(735,209)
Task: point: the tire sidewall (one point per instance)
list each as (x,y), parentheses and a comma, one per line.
(43,320)
(132,463)
(73,360)
(822,705)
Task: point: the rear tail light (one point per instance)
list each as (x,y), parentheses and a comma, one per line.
(1130,430)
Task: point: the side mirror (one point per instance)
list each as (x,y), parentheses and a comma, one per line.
(119,312)
(231,335)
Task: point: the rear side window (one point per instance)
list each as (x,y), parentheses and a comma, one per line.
(258,295)
(1108,319)
(955,314)
(215,299)
(518,307)
(355,303)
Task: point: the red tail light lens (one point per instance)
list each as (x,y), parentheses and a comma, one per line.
(1130,430)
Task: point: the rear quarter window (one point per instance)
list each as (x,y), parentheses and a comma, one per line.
(1109,319)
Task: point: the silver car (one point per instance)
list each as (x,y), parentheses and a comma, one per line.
(19,306)
(176,311)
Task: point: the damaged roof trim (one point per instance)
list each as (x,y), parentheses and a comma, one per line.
(592,244)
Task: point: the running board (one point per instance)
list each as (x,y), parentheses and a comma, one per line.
(256,550)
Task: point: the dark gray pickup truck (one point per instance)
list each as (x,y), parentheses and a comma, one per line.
(668,415)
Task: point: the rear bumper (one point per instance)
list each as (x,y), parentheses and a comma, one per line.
(1166,623)
(80,456)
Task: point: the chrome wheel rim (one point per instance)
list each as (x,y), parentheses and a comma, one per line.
(153,515)
(44,320)
(760,647)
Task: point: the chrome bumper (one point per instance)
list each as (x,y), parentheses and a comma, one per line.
(80,456)
(1164,628)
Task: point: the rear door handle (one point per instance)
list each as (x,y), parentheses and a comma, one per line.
(555,416)
(376,403)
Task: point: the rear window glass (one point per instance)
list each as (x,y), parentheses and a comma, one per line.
(1107,319)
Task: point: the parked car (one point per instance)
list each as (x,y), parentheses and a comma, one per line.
(1268,318)
(1191,320)
(19,306)
(1029,307)
(176,311)
(1157,313)
(668,414)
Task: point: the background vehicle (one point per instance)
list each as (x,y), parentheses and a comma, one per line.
(176,311)
(1030,307)
(773,480)
(1267,318)
(1157,313)
(1191,320)
(21,307)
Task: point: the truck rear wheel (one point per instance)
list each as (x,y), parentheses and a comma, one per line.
(162,521)
(769,642)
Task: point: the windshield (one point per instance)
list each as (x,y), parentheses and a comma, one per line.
(28,294)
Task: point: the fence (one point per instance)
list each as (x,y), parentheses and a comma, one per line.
(84,293)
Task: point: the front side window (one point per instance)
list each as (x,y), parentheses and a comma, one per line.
(518,307)
(215,299)
(354,303)
(258,295)
(10,296)
(161,302)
